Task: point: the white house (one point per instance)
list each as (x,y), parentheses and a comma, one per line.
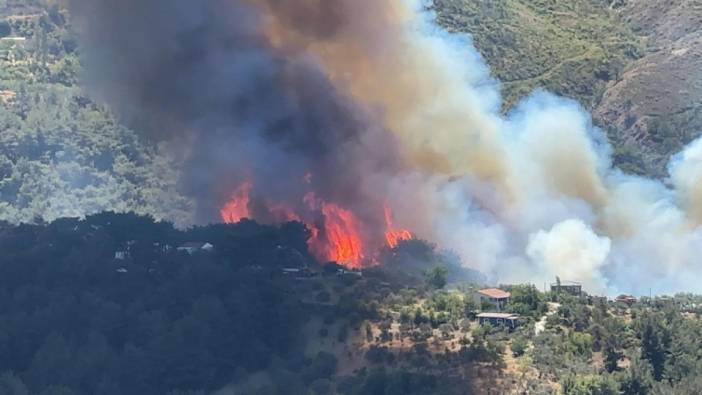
(121,255)
(195,246)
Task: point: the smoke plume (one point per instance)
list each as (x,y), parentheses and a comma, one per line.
(367,103)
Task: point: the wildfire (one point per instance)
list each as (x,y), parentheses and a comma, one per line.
(339,239)
(237,208)
(335,231)
(394,236)
(343,241)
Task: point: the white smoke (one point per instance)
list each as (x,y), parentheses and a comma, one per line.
(522,197)
(570,249)
(550,203)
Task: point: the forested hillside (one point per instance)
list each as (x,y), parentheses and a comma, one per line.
(120,304)
(109,305)
(62,154)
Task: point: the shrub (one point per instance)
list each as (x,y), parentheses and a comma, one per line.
(519,346)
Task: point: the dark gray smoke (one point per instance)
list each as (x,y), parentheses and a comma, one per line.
(204,74)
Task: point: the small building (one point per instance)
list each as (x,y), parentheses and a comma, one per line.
(7,96)
(497,297)
(626,299)
(162,247)
(298,273)
(14,39)
(345,272)
(569,287)
(331,268)
(121,255)
(507,320)
(195,246)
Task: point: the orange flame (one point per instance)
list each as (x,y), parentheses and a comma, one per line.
(336,237)
(341,240)
(237,208)
(394,236)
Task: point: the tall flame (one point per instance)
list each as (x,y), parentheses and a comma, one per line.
(339,238)
(343,241)
(335,232)
(394,236)
(237,208)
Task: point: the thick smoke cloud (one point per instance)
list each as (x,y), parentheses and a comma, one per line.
(206,76)
(383,106)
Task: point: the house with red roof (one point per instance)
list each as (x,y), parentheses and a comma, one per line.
(495,296)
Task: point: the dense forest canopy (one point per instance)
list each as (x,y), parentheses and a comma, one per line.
(156,319)
(115,303)
(62,154)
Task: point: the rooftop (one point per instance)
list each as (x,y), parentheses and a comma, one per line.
(626,297)
(567,284)
(194,244)
(509,316)
(494,293)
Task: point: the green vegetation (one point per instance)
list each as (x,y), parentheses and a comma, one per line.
(606,348)
(60,152)
(111,305)
(436,277)
(75,320)
(570,47)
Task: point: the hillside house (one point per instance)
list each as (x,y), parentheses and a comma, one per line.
(625,299)
(508,320)
(162,247)
(121,255)
(298,273)
(196,246)
(495,296)
(568,287)
(347,272)
(6,96)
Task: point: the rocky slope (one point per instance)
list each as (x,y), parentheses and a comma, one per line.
(656,104)
(636,64)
